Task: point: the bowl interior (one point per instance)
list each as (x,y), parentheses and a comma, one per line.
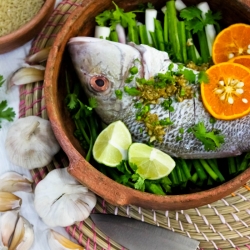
(82,23)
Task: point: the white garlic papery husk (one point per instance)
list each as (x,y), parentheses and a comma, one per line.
(31,143)
(57,241)
(23,237)
(8,222)
(13,182)
(60,200)
(25,75)
(9,201)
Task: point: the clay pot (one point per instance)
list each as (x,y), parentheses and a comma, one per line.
(82,22)
(29,30)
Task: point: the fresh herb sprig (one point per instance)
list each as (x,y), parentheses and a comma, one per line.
(84,117)
(6,113)
(210,139)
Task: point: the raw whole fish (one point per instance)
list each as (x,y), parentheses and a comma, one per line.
(103,66)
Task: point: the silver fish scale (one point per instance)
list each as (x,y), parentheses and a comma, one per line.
(186,114)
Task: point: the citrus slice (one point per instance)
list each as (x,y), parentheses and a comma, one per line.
(243,60)
(231,42)
(111,145)
(227,95)
(151,163)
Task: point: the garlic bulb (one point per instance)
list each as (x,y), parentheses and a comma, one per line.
(57,241)
(60,200)
(9,201)
(13,182)
(31,143)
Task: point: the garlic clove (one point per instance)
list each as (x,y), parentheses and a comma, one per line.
(13,182)
(31,143)
(8,222)
(9,201)
(39,56)
(23,237)
(26,75)
(60,200)
(57,241)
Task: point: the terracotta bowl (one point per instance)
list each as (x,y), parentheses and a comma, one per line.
(82,22)
(29,30)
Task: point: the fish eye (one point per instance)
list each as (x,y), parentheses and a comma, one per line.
(99,83)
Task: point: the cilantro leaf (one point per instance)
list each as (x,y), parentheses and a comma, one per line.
(139,182)
(124,18)
(71,101)
(194,20)
(211,18)
(210,140)
(103,18)
(203,77)
(189,75)
(92,102)
(6,112)
(190,13)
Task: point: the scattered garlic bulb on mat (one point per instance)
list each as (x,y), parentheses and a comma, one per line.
(31,143)
(9,201)
(8,222)
(60,200)
(26,75)
(13,182)
(57,241)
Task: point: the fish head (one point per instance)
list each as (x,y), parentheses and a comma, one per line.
(102,67)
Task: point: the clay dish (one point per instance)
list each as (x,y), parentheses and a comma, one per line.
(82,22)
(29,30)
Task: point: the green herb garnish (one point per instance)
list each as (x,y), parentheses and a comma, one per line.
(211,140)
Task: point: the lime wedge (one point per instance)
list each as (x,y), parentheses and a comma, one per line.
(151,163)
(111,145)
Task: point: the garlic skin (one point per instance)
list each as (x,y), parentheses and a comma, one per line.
(13,182)
(8,222)
(9,201)
(57,241)
(31,143)
(60,200)
(23,237)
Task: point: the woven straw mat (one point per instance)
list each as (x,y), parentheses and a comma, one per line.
(223,224)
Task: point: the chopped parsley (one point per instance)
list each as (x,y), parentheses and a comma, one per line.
(133,91)
(118,94)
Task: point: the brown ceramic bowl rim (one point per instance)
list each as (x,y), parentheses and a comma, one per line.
(80,167)
(23,30)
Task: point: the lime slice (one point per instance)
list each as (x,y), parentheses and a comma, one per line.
(111,145)
(151,163)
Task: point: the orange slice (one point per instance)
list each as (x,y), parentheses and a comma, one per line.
(231,42)
(243,60)
(227,95)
